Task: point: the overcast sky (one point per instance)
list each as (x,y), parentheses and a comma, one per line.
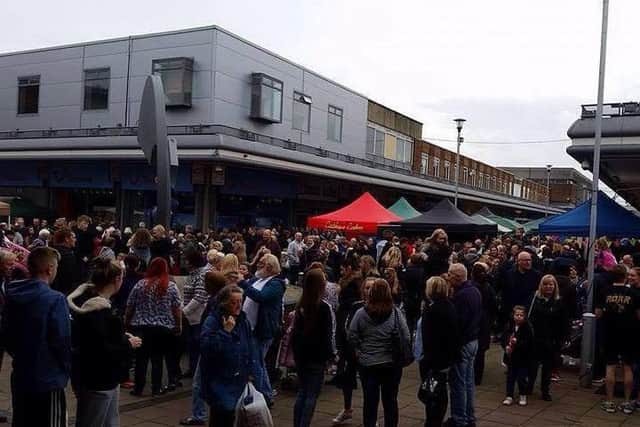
(516,70)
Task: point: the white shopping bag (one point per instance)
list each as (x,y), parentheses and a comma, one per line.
(252,409)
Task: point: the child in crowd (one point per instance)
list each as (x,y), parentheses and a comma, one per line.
(518,343)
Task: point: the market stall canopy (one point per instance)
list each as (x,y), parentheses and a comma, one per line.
(446,215)
(613,220)
(505,222)
(532,226)
(485,220)
(403,209)
(361,216)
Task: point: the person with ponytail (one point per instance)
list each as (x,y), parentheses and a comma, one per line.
(154,314)
(100,347)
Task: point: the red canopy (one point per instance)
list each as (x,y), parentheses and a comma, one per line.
(362,216)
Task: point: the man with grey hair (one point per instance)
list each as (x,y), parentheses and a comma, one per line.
(468,303)
(294,253)
(41,240)
(263,306)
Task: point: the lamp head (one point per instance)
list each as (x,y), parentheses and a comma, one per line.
(459,123)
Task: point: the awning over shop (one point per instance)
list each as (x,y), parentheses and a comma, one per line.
(613,221)
(5,209)
(446,215)
(24,207)
(532,226)
(403,209)
(361,216)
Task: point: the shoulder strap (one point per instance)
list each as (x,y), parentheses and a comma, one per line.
(533,300)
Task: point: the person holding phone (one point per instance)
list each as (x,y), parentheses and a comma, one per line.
(228,356)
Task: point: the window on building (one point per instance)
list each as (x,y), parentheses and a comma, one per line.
(493,182)
(379,143)
(28,94)
(177,80)
(96,89)
(436,167)
(481,180)
(447,170)
(499,187)
(301,111)
(334,124)
(424,163)
(404,150)
(371,140)
(465,175)
(473,177)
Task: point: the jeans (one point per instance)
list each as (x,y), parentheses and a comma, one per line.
(517,374)
(478,368)
(193,346)
(461,380)
(311,377)
(380,381)
(98,408)
(198,406)
(262,376)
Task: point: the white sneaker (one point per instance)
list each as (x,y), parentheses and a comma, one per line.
(343,417)
(508,401)
(522,401)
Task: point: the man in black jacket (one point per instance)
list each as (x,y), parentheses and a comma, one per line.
(68,277)
(468,303)
(520,283)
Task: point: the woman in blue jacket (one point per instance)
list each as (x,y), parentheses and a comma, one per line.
(228,356)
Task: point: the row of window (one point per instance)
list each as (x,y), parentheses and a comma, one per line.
(177,80)
(469,177)
(384,144)
(266,106)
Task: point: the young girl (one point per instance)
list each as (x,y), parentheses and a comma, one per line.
(518,341)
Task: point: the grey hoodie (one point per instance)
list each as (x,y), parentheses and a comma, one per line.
(373,339)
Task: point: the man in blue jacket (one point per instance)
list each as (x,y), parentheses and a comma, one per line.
(263,306)
(37,335)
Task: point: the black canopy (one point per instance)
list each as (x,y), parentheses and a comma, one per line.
(445,215)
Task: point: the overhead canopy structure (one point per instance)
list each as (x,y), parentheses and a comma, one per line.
(505,222)
(5,209)
(403,209)
(613,221)
(484,220)
(446,215)
(362,216)
(532,226)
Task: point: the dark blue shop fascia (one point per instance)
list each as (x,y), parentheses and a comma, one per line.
(20,173)
(259,182)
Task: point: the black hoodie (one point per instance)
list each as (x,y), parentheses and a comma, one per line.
(100,348)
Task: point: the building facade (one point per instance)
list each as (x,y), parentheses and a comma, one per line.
(260,138)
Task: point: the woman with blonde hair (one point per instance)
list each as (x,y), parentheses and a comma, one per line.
(392,259)
(214,260)
(548,317)
(441,340)
(240,249)
(368,266)
(230,269)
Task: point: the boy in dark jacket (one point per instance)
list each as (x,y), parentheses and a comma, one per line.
(37,334)
(518,343)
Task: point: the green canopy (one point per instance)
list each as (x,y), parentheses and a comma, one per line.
(505,222)
(24,207)
(403,209)
(533,225)
(485,220)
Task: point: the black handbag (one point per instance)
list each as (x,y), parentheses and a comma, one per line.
(433,386)
(402,350)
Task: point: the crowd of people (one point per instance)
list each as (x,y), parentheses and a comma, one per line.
(368,308)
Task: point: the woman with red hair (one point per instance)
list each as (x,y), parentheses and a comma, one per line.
(153,313)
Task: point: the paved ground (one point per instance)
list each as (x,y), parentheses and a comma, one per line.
(572,406)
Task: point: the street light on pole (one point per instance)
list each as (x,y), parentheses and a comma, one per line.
(546,209)
(587,353)
(459,123)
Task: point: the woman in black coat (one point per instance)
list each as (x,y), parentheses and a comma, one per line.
(480,279)
(548,317)
(441,343)
(101,350)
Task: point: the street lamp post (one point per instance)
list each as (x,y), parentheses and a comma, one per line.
(546,209)
(459,123)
